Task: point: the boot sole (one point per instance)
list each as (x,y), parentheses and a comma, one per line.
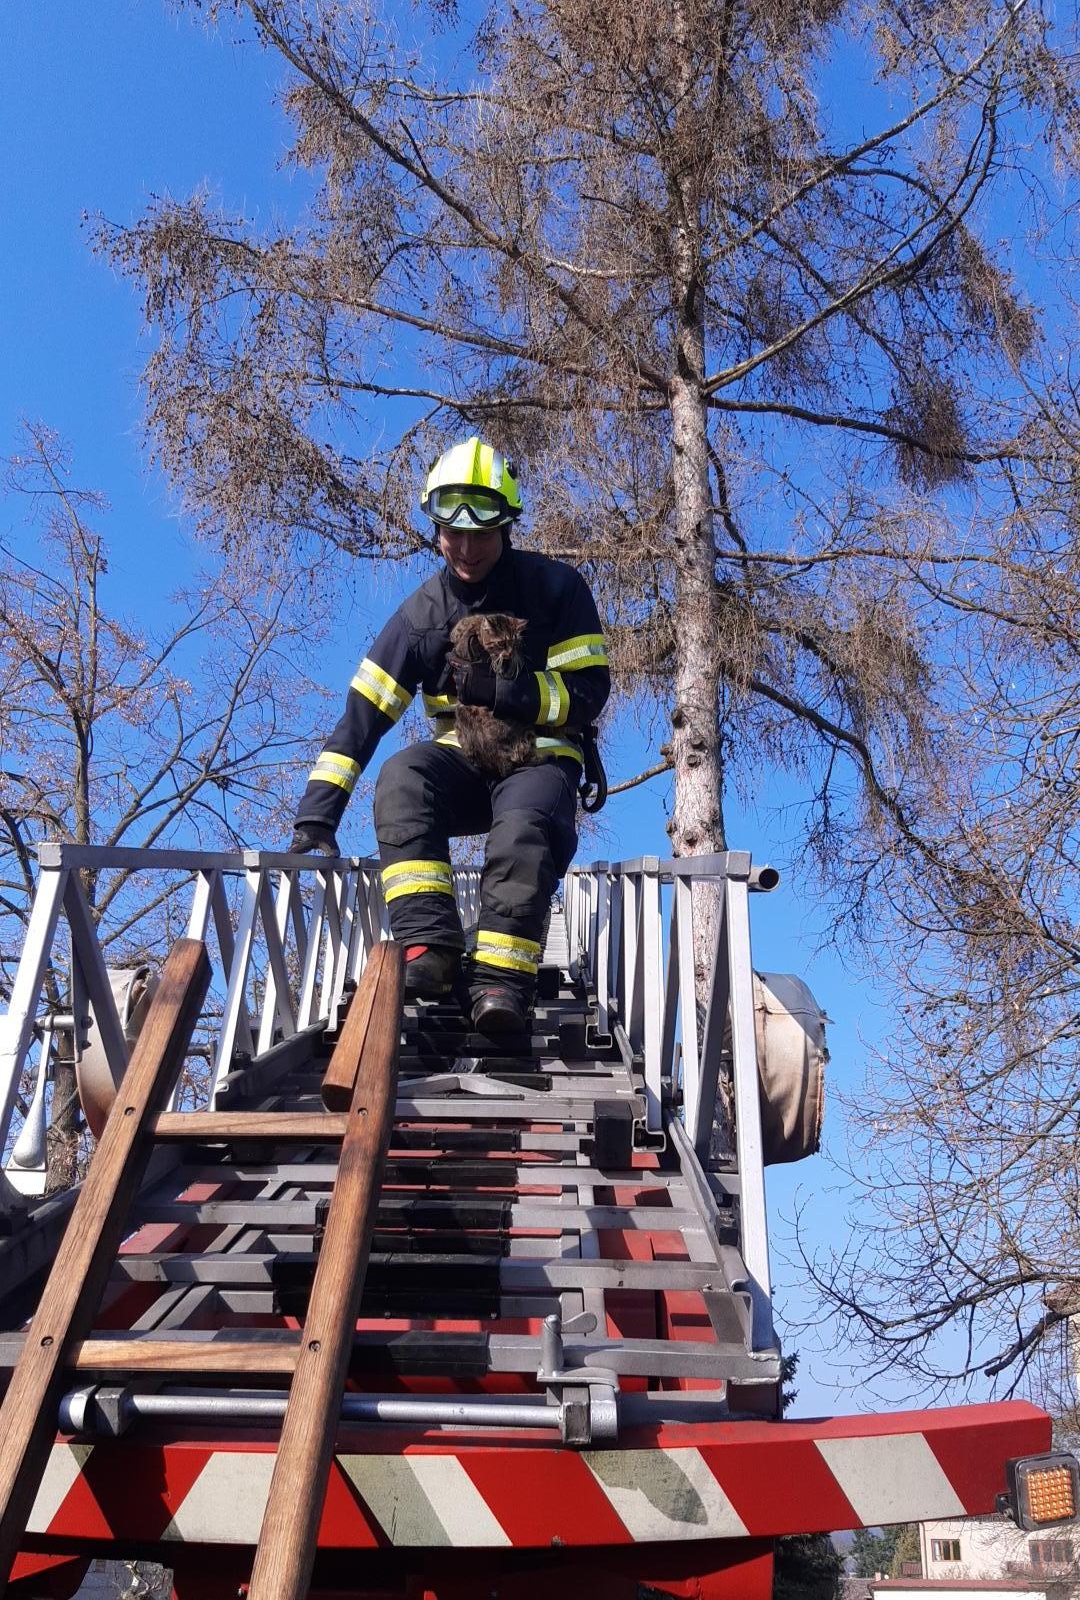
(499,1021)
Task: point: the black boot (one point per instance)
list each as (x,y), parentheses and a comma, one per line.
(498,1010)
(430,971)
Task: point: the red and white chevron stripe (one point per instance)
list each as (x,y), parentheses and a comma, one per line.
(732,1480)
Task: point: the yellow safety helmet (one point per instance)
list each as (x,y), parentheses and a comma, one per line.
(471,485)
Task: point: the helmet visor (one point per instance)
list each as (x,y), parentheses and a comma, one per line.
(466,508)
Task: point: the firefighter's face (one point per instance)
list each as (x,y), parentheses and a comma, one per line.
(471,552)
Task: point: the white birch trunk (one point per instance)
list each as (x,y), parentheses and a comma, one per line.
(696,825)
(697,821)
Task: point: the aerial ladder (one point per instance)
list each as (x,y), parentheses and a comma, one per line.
(354,1301)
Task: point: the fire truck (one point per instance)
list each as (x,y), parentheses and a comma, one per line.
(351,1300)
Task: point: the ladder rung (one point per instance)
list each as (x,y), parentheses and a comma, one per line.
(209,1127)
(240,1357)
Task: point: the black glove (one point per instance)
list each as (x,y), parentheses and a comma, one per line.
(314,838)
(516,697)
(476,684)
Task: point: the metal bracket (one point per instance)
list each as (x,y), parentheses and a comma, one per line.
(588,1394)
(97,1408)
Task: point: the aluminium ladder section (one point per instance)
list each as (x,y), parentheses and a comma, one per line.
(549,1291)
(292,936)
(513,1214)
(502,1255)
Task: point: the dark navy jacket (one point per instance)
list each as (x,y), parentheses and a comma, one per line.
(564,648)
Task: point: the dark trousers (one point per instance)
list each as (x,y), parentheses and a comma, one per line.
(428,794)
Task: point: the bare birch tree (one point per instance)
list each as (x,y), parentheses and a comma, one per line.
(965,1264)
(728,277)
(116,733)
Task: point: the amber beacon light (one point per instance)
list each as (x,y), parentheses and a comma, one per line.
(1043,1490)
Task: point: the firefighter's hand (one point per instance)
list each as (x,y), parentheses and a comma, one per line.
(314,838)
(476,684)
(518,697)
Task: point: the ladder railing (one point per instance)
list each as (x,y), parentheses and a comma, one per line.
(292,932)
(631,930)
(288,933)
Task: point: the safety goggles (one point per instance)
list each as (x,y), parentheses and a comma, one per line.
(464,508)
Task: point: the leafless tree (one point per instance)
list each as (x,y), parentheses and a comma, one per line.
(621,241)
(760,345)
(114,732)
(964,1173)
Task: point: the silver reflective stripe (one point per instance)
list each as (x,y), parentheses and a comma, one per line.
(334,768)
(587,650)
(506,951)
(417,877)
(384,692)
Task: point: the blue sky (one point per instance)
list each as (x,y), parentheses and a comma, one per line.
(101,109)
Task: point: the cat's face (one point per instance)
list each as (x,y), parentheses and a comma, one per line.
(496,638)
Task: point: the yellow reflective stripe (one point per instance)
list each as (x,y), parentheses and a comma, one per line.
(507,941)
(503,950)
(381,689)
(421,886)
(543,683)
(554,699)
(587,650)
(545,747)
(402,869)
(557,747)
(416,877)
(509,963)
(334,768)
(439,704)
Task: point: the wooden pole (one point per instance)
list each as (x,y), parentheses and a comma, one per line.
(340,1077)
(78,1276)
(286,1554)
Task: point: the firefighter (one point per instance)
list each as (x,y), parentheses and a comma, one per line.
(429,793)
